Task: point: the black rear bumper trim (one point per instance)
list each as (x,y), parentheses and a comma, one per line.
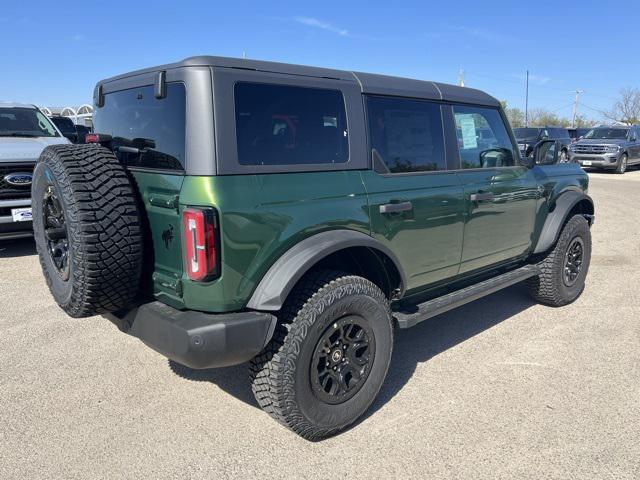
(196,339)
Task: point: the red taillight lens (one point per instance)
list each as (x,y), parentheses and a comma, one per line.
(97,138)
(200,239)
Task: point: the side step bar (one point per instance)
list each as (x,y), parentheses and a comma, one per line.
(436,306)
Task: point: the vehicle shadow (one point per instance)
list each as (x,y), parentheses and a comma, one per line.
(17,248)
(412,347)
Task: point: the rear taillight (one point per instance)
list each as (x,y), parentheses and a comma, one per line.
(200,239)
(97,138)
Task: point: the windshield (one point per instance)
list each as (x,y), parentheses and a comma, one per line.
(607,133)
(25,122)
(525,132)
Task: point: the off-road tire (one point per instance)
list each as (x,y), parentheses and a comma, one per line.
(623,163)
(549,287)
(280,375)
(103,228)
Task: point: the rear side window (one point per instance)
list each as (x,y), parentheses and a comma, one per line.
(483,140)
(407,134)
(147,132)
(286,125)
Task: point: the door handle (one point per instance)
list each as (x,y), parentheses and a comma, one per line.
(396,207)
(481,197)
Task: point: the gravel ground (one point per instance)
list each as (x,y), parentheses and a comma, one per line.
(501,388)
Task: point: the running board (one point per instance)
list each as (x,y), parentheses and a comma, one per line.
(436,306)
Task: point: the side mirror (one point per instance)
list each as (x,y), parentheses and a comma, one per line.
(546,152)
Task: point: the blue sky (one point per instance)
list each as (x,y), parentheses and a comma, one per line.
(54,54)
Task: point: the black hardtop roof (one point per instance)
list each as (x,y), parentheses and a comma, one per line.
(369,82)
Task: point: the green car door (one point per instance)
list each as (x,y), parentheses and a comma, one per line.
(500,196)
(416,205)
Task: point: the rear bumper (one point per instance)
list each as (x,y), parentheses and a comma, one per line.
(196,339)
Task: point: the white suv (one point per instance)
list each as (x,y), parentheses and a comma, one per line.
(24,132)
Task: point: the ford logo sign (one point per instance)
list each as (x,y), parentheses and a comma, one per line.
(19,179)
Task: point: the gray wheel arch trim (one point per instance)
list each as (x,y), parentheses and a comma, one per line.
(276,284)
(556,219)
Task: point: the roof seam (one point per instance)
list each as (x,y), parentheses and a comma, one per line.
(438,88)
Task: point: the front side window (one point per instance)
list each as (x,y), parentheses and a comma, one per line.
(483,140)
(25,122)
(287,125)
(407,134)
(147,132)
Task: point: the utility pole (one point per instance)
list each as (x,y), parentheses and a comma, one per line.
(575,107)
(526,103)
(461,77)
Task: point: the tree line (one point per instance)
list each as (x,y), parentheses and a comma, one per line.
(626,109)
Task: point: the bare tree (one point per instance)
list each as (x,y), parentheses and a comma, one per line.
(627,107)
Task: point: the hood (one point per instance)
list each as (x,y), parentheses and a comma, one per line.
(601,141)
(20,149)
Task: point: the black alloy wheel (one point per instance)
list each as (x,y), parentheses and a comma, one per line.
(55,231)
(342,359)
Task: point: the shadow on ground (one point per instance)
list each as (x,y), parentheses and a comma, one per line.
(413,346)
(17,248)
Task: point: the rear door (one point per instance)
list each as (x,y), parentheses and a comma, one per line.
(416,204)
(500,195)
(149,139)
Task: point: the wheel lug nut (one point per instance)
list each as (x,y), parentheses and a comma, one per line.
(335,368)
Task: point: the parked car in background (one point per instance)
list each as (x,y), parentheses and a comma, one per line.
(610,148)
(24,132)
(82,133)
(528,137)
(577,133)
(67,127)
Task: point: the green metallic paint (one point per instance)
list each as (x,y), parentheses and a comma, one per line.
(500,229)
(159,193)
(261,217)
(427,239)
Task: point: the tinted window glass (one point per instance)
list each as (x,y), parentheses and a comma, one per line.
(407,134)
(284,125)
(147,132)
(64,124)
(483,140)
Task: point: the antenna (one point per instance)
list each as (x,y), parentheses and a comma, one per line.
(461,77)
(575,107)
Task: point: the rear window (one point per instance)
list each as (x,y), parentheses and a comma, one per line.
(286,125)
(147,132)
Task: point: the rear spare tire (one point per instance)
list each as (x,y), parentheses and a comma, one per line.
(87,229)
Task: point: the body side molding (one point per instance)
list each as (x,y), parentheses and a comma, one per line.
(276,284)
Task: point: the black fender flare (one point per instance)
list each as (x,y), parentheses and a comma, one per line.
(281,277)
(556,219)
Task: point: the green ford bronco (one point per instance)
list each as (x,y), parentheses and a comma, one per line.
(232,210)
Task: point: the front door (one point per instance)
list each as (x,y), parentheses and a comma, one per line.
(416,205)
(500,196)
